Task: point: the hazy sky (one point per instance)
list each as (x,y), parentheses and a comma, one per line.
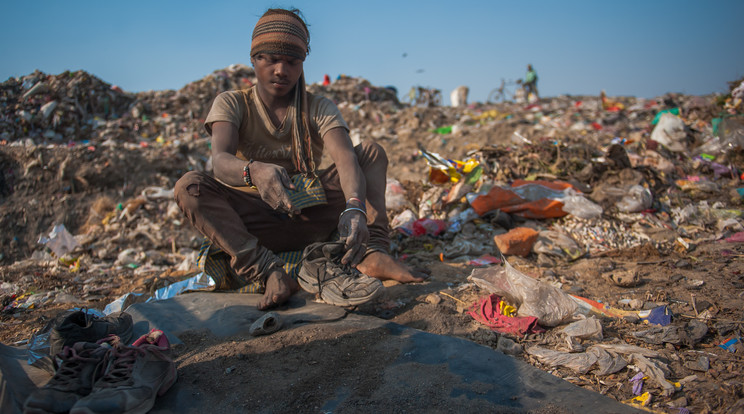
(640,48)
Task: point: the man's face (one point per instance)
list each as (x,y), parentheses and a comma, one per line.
(277,74)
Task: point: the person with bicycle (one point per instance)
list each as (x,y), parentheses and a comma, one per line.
(266,194)
(530,82)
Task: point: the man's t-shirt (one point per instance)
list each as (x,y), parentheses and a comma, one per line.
(259,139)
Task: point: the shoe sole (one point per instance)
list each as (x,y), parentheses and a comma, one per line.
(307,282)
(333,298)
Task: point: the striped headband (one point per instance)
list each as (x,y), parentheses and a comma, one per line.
(280,32)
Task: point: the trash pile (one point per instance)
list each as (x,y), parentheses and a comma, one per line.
(613,184)
(80,108)
(601,235)
(354,91)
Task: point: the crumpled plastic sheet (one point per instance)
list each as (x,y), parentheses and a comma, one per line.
(580,206)
(548,304)
(60,241)
(656,371)
(202,281)
(581,362)
(660,335)
(589,328)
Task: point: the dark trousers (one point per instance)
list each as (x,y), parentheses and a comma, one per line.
(247,229)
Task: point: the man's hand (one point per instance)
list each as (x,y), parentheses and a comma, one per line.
(352,226)
(273,182)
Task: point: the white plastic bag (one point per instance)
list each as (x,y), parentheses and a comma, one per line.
(670,132)
(403,222)
(60,241)
(535,298)
(395,195)
(577,205)
(638,199)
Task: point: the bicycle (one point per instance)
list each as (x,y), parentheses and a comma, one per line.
(507,92)
(425,97)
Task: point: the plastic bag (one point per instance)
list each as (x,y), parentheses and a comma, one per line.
(638,199)
(547,303)
(429,227)
(577,205)
(403,222)
(585,329)
(581,362)
(395,195)
(465,216)
(60,241)
(731,132)
(670,132)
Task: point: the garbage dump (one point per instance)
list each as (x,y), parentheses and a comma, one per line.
(598,238)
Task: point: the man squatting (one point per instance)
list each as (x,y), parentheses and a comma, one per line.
(264,136)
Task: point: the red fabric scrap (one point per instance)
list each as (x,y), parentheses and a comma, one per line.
(736,237)
(486,311)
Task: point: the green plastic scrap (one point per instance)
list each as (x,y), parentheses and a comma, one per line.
(673,111)
(444,130)
(714,123)
(474,175)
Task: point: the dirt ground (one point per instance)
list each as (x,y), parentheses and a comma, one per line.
(97,192)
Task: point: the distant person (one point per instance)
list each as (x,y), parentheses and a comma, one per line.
(530,83)
(267,142)
(412,95)
(326,80)
(459,96)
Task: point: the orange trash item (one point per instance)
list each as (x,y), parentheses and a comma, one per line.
(517,242)
(510,202)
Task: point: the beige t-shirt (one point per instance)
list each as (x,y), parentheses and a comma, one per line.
(259,140)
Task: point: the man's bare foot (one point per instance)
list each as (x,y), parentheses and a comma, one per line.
(279,288)
(382,266)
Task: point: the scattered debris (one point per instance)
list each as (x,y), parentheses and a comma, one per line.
(614,222)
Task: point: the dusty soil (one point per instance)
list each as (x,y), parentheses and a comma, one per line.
(97,192)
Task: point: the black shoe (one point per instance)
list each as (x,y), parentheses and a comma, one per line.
(80,326)
(135,376)
(82,365)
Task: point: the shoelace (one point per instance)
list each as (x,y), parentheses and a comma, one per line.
(121,360)
(72,364)
(346,268)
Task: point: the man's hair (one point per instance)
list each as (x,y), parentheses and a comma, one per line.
(281,32)
(284,32)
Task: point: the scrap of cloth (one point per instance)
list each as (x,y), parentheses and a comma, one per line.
(487,311)
(309,192)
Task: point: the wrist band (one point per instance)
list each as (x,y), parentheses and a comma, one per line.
(353,209)
(354,199)
(247,175)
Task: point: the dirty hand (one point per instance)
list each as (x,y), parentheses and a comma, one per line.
(352,226)
(272,182)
